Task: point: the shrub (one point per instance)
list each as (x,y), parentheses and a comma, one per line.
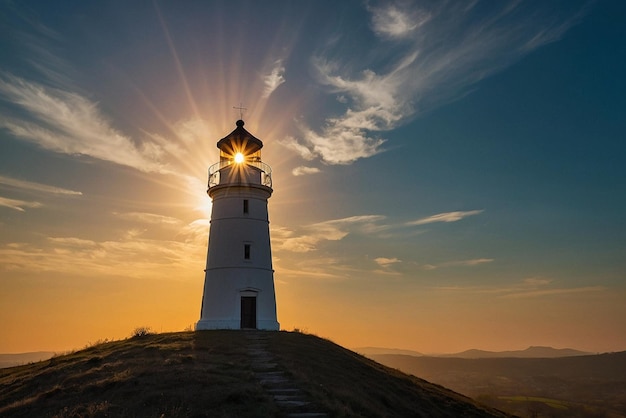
(141,332)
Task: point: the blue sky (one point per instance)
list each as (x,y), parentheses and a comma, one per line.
(447,175)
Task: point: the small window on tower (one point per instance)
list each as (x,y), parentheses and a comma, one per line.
(246,251)
(245,206)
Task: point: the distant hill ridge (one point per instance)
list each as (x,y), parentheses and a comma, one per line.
(10,360)
(367,351)
(212,373)
(530,352)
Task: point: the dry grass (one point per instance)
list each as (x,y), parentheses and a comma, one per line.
(170,375)
(208,374)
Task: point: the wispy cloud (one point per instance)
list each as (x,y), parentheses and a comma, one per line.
(553,292)
(537,281)
(338,143)
(333,230)
(68,123)
(469,263)
(18,205)
(473,262)
(320,268)
(149,218)
(37,187)
(366,224)
(308,237)
(432,56)
(528,288)
(286,239)
(303,171)
(394,21)
(275,78)
(386,262)
(292,143)
(130,255)
(445,217)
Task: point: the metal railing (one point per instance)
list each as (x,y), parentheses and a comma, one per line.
(216,169)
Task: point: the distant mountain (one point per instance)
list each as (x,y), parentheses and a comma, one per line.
(10,360)
(530,352)
(370,351)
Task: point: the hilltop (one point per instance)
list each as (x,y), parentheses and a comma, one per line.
(216,373)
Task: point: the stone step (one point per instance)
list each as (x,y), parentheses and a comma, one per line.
(274,381)
(261,356)
(283,391)
(263,366)
(290,398)
(270,374)
(257,338)
(294,403)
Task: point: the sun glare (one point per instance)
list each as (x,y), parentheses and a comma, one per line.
(239,158)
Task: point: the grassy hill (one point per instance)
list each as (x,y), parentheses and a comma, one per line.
(212,374)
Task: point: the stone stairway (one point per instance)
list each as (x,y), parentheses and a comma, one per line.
(290,399)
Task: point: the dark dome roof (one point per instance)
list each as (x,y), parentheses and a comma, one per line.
(240,139)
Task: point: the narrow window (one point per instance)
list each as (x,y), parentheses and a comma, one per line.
(245,206)
(246,251)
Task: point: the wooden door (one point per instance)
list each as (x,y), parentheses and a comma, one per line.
(248,312)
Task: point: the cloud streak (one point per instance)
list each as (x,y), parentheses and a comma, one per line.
(332,230)
(431,55)
(394,22)
(445,217)
(340,142)
(18,205)
(275,78)
(303,171)
(68,123)
(553,292)
(386,262)
(527,289)
(37,187)
(149,218)
(309,236)
(130,255)
(461,263)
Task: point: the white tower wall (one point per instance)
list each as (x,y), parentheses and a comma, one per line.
(239,279)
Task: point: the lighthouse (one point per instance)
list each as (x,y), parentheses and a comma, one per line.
(239,279)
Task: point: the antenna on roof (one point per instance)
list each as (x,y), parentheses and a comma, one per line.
(241,109)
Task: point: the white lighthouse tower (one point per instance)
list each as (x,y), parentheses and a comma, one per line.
(239,281)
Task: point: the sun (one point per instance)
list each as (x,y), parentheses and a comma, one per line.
(239,158)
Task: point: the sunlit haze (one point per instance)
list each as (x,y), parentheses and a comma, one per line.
(446,175)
